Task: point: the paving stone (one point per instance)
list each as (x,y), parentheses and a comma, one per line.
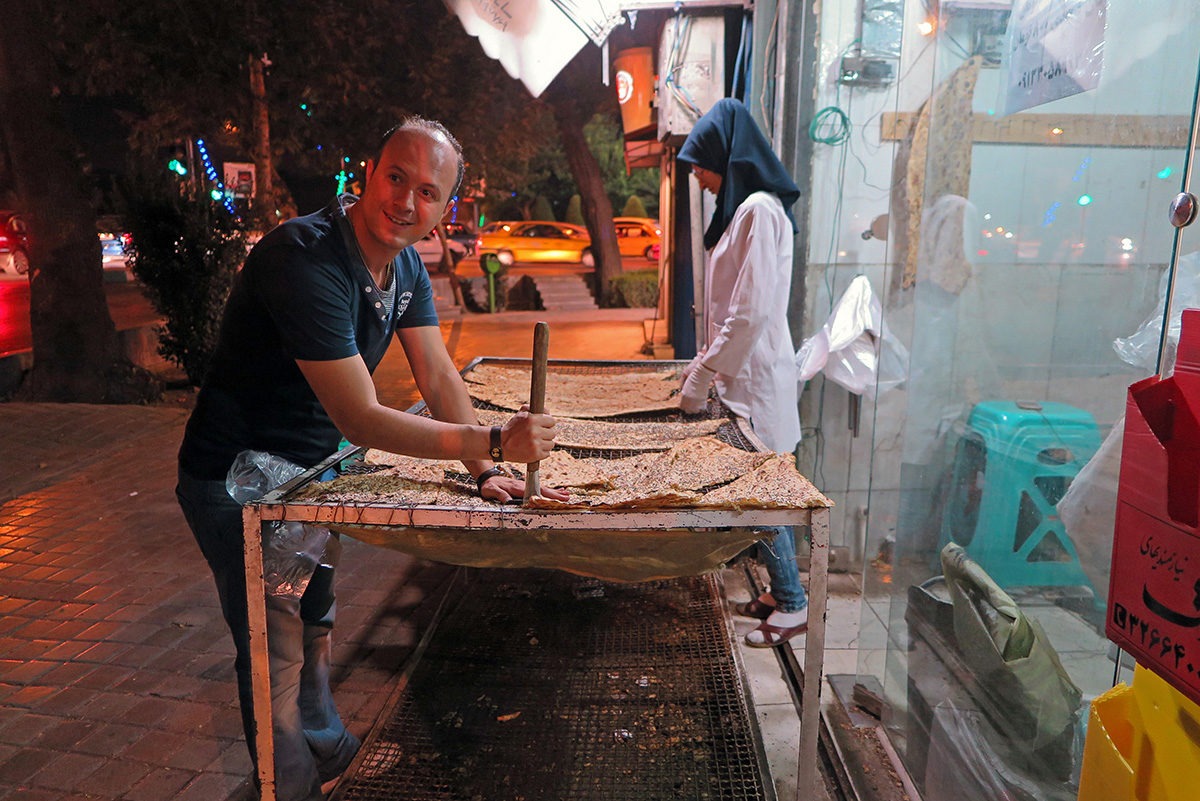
(160,784)
(24,763)
(67,771)
(115,778)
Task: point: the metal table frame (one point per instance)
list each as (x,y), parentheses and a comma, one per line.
(275,506)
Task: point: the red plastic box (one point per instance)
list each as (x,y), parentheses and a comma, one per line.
(1154,594)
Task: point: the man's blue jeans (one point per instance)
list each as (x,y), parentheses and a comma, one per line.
(776,551)
(312,744)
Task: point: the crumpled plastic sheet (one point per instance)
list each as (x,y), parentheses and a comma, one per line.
(1141,347)
(854,347)
(1088,510)
(291,550)
(969,760)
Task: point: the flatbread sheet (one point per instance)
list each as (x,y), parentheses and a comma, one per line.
(585,395)
(580,434)
(702,473)
(562,470)
(689,466)
(774,484)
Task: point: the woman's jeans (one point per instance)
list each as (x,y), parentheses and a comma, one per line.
(776,551)
(312,744)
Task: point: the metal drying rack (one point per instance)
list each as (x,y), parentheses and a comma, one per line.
(277,505)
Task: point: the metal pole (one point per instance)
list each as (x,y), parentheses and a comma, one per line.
(1189,159)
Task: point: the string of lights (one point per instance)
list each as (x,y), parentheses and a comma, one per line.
(218,192)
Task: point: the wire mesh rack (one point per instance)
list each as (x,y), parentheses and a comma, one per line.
(628,691)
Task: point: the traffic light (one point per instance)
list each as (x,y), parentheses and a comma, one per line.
(179,160)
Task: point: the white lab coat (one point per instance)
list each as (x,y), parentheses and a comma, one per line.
(747,285)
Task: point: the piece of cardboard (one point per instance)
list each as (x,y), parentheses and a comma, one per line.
(1154,593)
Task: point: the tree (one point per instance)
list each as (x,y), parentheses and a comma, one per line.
(634,207)
(187,248)
(607,141)
(541,209)
(576,96)
(77,355)
(574,213)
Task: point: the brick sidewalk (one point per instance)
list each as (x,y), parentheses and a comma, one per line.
(116,673)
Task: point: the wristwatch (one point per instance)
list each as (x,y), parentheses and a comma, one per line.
(496,452)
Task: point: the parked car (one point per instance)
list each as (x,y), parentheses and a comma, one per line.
(114,242)
(462,235)
(638,236)
(535,241)
(430,250)
(14,243)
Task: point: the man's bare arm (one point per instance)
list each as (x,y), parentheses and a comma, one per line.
(347,393)
(446,395)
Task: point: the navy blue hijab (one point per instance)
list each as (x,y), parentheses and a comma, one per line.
(727,141)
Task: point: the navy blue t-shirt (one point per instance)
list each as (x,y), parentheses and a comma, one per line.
(304,293)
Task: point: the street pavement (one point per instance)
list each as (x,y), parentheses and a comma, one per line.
(116,675)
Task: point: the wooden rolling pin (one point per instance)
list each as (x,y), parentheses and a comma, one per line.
(537,398)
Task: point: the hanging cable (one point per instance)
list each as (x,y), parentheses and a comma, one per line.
(830,126)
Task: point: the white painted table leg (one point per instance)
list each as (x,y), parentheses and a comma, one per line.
(808,773)
(260,663)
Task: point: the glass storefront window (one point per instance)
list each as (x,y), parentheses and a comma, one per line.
(1026,270)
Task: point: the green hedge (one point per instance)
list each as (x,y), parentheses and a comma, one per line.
(636,289)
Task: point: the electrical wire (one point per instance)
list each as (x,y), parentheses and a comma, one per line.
(683,25)
(838,130)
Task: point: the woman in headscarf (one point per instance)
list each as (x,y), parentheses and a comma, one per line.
(748,352)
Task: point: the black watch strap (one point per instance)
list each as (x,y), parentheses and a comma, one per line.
(496,452)
(486,474)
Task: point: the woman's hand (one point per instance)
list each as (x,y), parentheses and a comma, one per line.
(694,396)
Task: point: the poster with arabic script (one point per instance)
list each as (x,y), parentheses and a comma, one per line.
(1055,50)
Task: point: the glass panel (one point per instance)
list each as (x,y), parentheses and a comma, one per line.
(1025,272)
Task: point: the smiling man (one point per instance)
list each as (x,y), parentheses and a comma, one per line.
(309,318)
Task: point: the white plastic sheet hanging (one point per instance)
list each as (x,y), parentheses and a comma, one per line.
(854,347)
(534,39)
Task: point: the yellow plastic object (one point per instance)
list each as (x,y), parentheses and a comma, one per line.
(1143,744)
(1106,774)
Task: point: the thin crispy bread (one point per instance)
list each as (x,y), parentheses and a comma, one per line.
(583,395)
(581,434)
(689,466)
(561,469)
(775,484)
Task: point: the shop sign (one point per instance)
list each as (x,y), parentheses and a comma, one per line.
(1154,594)
(1055,50)
(239,178)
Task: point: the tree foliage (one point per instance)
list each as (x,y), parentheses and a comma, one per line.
(541,209)
(77,354)
(574,213)
(186,251)
(634,207)
(338,75)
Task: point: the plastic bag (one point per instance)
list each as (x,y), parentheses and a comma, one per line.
(1141,347)
(1088,510)
(291,550)
(855,347)
(1020,678)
